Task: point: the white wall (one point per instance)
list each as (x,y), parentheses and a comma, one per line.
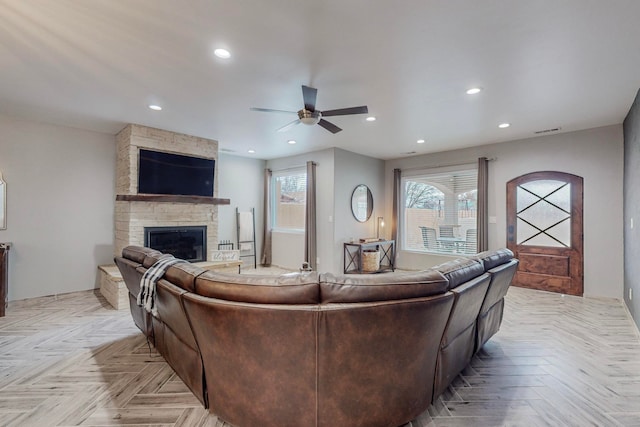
(288,247)
(241,180)
(352,169)
(594,154)
(60,200)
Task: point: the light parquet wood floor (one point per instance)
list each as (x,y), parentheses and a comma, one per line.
(72,360)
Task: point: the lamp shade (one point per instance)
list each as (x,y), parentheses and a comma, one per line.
(379,227)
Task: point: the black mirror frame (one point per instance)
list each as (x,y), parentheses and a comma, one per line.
(369,203)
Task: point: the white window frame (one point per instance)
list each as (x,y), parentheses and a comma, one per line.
(416,174)
(275,203)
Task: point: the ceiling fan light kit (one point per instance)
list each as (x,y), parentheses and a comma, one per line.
(310,116)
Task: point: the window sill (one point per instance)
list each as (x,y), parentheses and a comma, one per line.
(285,231)
(419,252)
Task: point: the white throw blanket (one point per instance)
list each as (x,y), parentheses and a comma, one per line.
(147,295)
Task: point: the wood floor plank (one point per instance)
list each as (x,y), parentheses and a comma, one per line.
(164,400)
(134,416)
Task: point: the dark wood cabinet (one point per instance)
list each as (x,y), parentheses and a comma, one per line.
(4,276)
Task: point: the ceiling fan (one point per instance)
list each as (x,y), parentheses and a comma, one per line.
(310,116)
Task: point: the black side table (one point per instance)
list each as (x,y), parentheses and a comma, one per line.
(353,255)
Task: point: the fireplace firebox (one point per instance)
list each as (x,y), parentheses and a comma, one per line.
(188,243)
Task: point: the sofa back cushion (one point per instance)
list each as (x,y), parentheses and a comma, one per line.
(293,288)
(138,253)
(459,339)
(183,275)
(151,258)
(501,277)
(380,287)
(459,271)
(492,259)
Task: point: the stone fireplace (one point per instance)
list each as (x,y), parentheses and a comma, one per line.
(134,212)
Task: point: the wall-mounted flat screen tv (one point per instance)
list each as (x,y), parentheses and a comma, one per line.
(166,173)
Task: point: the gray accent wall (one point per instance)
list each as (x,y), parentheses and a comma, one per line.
(60,200)
(631,126)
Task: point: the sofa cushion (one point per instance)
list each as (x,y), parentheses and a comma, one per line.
(151,258)
(491,259)
(184,275)
(137,253)
(380,287)
(459,271)
(293,288)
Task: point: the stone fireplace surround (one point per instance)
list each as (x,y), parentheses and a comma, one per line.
(133,213)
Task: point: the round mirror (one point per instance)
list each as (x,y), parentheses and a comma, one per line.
(361,203)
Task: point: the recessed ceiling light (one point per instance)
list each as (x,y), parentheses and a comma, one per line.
(155,107)
(291,141)
(251,151)
(474,90)
(222,53)
(371,119)
(420,141)
(504,125)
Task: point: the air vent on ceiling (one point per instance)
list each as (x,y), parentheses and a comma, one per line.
(411,152)
(227,150)
(539,132)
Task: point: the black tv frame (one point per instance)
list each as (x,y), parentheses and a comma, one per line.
(165,173)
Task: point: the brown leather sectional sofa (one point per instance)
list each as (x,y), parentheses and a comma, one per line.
(315,349)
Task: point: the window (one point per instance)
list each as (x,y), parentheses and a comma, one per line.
(289,199)
(439,211)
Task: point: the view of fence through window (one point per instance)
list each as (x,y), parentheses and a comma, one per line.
(290,199)
(440,212)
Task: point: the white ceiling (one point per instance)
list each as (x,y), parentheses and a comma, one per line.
(97,64)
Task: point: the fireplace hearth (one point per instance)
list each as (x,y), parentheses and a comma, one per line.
(188,243)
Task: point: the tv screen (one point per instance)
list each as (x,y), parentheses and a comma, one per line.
(165,173)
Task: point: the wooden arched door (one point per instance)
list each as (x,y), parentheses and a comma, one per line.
(544,230)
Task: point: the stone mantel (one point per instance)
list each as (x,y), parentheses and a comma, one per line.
(161,198)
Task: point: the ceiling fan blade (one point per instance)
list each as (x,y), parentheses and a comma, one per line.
(289,126)
(329,126)
(309,95)
(346,111)
(270,110)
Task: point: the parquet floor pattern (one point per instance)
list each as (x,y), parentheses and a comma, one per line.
(72,360)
